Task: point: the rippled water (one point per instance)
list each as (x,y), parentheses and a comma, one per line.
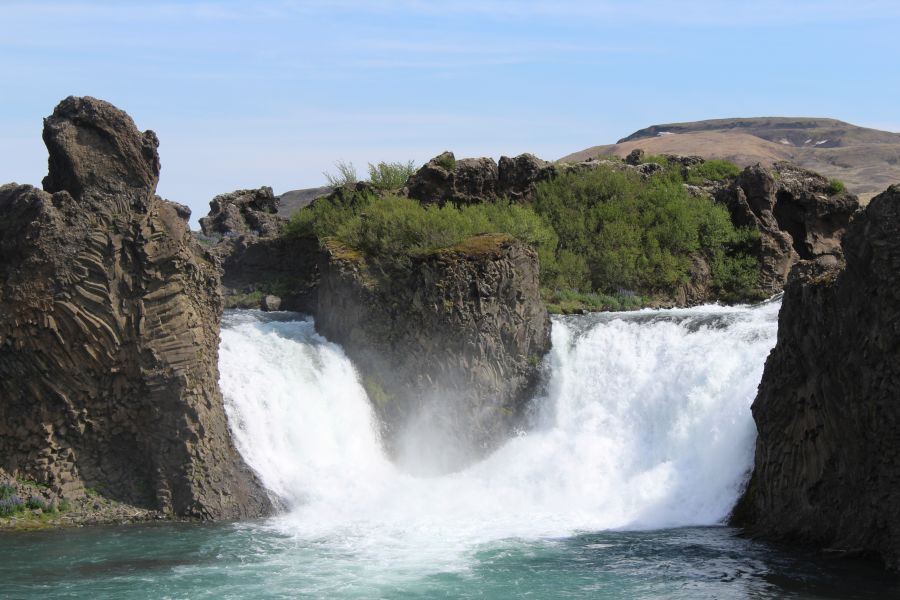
(261,560)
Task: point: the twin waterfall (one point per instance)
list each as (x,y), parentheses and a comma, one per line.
(644,423)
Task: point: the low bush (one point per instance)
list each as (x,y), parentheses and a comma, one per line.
(392,227)
(11,505)
(390,175)
(617,231)
(836,186)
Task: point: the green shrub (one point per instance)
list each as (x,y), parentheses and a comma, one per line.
(836,186)
(638,235)
(390,175)
(712,170)
(393,227)
(346,174)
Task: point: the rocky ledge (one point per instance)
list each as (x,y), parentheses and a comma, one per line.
(448,345)
(827,467)
(799,214)
(109,331)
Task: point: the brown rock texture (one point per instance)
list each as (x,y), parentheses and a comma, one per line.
(827,468)
(109,321)
(474,180)
(798,214)
(243,212)
(448,346)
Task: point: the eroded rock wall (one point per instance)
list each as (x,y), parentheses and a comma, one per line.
(109,330)
(827,467)
(449,346)
(798,213)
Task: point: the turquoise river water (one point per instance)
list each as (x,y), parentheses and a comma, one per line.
(618,487)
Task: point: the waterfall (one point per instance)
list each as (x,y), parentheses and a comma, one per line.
(644,423)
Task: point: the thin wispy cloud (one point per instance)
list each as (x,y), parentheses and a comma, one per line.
(273,92)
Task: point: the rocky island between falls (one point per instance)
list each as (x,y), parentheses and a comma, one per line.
(110,310)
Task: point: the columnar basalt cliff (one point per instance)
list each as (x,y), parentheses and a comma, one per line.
(827,469)
(109,321)
(798,213)
(449,346)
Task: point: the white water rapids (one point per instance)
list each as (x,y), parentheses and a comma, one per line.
(645,424)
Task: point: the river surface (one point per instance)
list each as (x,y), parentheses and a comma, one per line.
(617,487)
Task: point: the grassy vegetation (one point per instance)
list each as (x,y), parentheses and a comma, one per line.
(12,505)
(572,301)
(836,186)
(607,238)
(345,175)
(391,227)
(447,161)
(390,175)
(712,170)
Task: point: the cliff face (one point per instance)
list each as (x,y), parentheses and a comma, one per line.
(827,468)
(448,346)
(798,214)
(109,320)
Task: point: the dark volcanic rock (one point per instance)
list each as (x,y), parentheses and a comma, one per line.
(827,467)
(109,321)
(796,212)
(474,180)
(243,212)
(448,346)
(519,175)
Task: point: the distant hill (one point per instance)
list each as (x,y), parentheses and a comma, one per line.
(867,160)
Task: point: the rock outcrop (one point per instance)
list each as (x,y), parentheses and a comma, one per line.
(798,213)
(243,212)
(445,179)
(109,321)
(449,345)
(827,468)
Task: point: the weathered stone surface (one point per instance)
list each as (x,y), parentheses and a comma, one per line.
(243,212)
(475,180)
(448,346)
(109,320)
(796,212)
(827,468)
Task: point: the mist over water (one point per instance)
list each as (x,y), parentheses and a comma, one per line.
(645,424)
(640,443)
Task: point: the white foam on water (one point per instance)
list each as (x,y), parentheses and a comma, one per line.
(646,424)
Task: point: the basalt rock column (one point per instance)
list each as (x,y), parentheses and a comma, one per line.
(109,330)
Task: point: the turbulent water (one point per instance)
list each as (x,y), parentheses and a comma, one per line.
(616,488)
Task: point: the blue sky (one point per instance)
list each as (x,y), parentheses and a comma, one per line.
(244,94)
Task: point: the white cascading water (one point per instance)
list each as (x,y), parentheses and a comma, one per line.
(646,424)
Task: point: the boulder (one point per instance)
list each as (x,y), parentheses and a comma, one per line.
(827,466)
(518,176)
(474,180)
(448,346)
(243,212)
(109,331)
(270,303)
